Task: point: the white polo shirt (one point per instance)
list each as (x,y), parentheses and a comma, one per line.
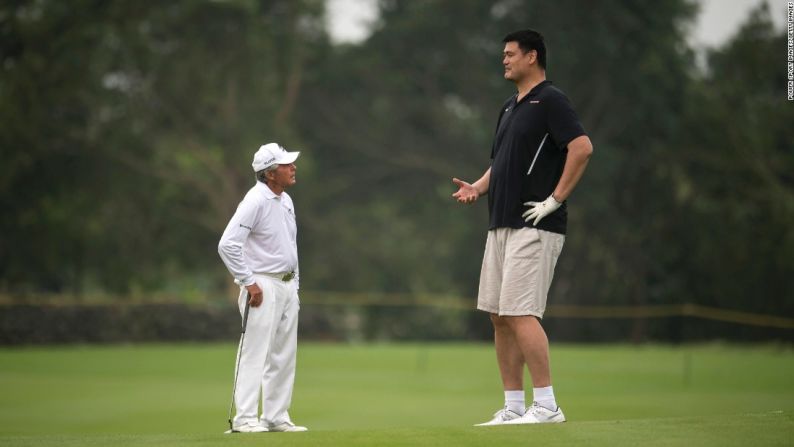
(261,237)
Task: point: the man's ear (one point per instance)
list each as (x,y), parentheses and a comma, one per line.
(533,56)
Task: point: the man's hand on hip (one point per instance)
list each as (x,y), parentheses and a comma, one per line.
(256,295)
(539,210)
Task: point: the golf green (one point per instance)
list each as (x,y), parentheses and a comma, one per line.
(398,394)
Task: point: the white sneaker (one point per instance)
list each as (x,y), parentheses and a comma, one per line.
(287,427)
(500,417)
(247,428)
(537,414)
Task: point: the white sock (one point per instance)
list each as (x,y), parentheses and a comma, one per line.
(545,397)
(514,401)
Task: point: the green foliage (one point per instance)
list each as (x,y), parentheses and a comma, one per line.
(734,176)
(127,128)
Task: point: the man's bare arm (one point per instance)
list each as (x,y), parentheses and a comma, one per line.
(579,151)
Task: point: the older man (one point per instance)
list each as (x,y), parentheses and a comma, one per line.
(259,247)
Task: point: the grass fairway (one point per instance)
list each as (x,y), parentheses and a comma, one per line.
(174,395)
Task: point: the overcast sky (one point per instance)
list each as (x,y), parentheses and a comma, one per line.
(718,19)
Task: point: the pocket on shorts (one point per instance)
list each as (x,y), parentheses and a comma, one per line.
(524,243)
(552,242)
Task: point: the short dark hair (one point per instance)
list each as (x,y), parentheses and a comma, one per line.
(527,40)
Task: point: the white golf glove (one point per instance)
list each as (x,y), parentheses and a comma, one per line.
(539,210)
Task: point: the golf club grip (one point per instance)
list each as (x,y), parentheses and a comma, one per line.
(245,314)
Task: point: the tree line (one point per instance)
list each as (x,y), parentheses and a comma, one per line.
(127,128)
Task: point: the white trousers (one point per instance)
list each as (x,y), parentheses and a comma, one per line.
(267,354)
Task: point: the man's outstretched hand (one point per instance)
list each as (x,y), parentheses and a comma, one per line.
(466,192)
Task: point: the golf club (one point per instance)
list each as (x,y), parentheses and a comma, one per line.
(239,353)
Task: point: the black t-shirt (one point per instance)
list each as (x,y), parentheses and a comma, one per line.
(532,132)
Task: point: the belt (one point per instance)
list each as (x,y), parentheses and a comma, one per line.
(280,276)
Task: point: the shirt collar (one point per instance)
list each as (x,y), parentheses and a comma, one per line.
(532,93)
(536,89)
(266,191)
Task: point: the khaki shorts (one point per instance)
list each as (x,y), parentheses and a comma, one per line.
(517,269)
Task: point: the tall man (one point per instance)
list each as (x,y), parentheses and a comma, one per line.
(259,247)
(539,153)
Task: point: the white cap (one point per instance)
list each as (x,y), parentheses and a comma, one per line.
(272,154)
